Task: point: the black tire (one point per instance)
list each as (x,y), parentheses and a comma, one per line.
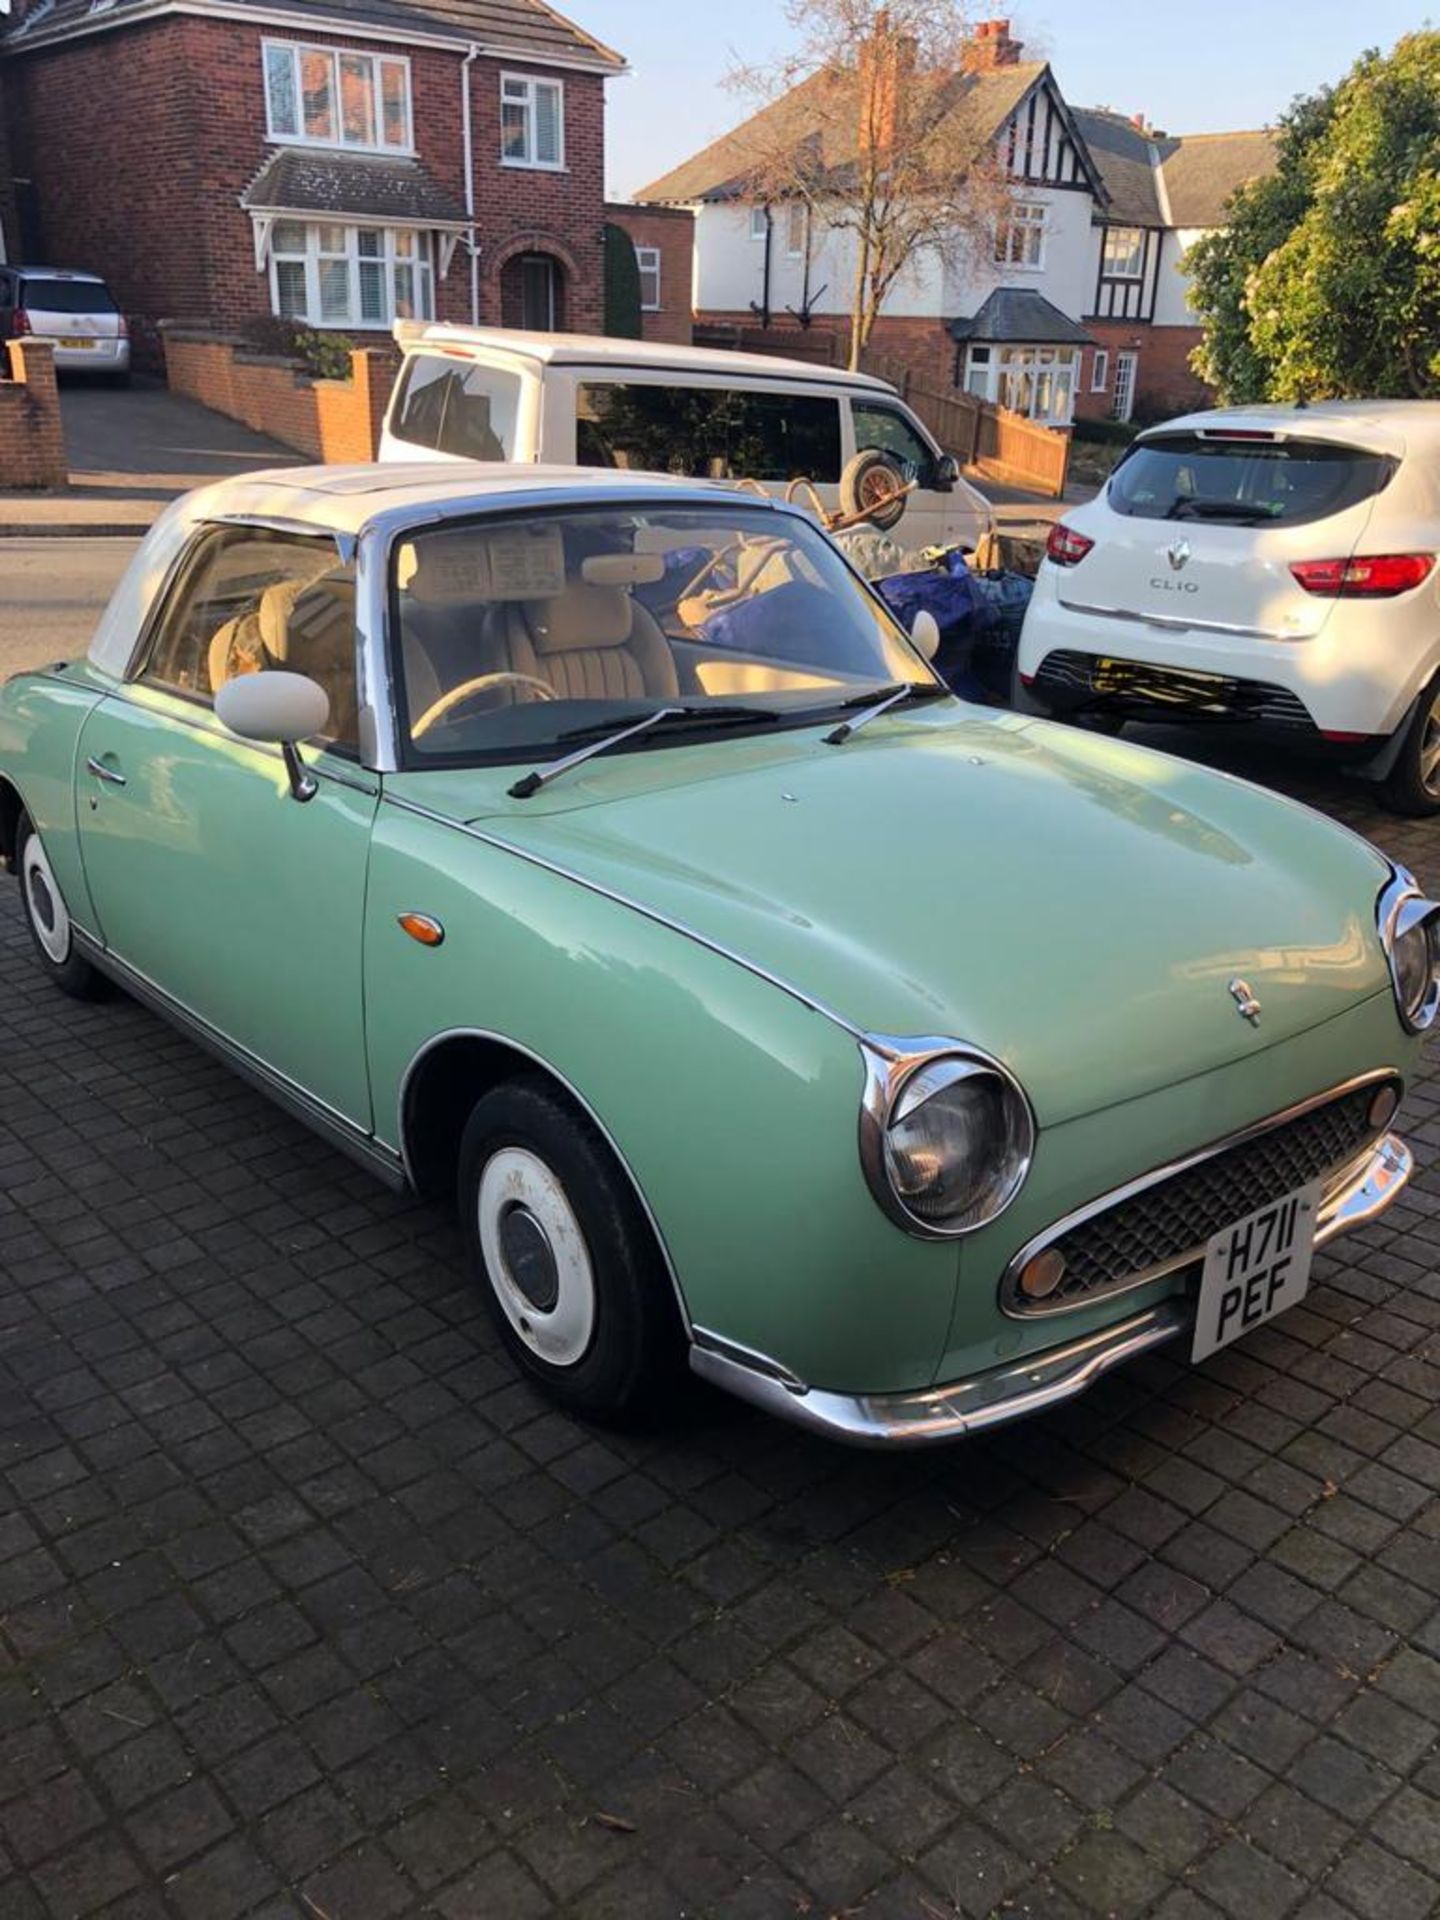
(872,474)
(621,1370)
(48,919)
(1413,784)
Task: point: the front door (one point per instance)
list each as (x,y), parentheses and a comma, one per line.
(241,904)
(1125,365)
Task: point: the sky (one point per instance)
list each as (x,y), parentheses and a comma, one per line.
(1205,68)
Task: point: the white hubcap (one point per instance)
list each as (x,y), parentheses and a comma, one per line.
(536,1257)
(44,903)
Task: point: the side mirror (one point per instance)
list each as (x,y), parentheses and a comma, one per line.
(280,709)
(947,473)
(925,634)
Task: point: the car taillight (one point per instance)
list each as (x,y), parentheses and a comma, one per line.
(1368,576)
(124,327)
(20,323)
(1065,546)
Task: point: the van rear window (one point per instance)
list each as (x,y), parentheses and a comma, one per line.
(708,433)
(1244,483)
(457,407)
(66,296)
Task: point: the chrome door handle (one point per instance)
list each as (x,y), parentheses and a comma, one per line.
(102,772)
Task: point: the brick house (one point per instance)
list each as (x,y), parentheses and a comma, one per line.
(664,243)
(1077,305)
(340,162)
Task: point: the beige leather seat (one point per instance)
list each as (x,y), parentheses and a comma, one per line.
(303,627)
(590,643)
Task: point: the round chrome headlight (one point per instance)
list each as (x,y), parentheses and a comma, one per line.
(946,1137)
(1410,934)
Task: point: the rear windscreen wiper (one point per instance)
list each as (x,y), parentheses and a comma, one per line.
(611,735)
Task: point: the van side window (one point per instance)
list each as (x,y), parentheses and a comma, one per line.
(883,428)
(467,411)
(708,433)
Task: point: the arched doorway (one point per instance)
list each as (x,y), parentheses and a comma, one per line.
(532,293)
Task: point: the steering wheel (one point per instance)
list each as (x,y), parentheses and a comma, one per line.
(467,691)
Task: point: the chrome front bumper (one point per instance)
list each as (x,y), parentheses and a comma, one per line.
(1021,1387)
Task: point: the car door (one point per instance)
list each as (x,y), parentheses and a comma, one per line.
(239,903)
(935,516)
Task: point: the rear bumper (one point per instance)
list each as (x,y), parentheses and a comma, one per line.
(1041,1380)
(1357,676)
(106,356)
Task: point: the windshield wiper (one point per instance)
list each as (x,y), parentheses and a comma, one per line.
(630,726)
(876,701)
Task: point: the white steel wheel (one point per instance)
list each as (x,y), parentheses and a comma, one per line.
(535,1256)
(44,902)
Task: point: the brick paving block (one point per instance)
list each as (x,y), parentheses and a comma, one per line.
(1247,1884)
(1299,1832)
(1166,1825)
(1109,1875)
(1377,1886)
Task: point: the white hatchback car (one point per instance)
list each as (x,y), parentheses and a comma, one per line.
(1275,565)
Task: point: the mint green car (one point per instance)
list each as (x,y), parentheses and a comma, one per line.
(598,849)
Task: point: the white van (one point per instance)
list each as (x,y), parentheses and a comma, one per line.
(482,393)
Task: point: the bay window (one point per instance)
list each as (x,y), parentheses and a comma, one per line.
(1037,381)
(329,274)
(532,122)
(323,97)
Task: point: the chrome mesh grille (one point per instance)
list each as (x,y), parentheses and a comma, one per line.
(1170,1222)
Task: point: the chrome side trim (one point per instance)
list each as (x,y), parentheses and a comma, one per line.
(652,914)
(332,1126)
(1173,623)
(935,1414)
(529,1053)
(1117,1196)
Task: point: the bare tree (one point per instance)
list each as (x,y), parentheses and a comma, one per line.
(870,124)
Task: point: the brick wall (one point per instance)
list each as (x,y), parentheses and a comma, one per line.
(145,189)
(32,441)
(672,231)
(918,343)
(331,420)
(1164,383)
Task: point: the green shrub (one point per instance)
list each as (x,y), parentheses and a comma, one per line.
(325,356)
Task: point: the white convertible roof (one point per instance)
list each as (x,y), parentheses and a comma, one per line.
(343,500)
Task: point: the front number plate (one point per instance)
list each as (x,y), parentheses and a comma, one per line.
(1256,1269)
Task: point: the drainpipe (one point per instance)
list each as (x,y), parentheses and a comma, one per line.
(465,66)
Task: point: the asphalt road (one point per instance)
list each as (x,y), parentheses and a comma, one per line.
(52,592)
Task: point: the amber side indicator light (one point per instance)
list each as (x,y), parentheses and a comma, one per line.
(422,927)
(1040,1276)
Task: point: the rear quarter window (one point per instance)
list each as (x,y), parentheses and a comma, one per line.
(1245,483)
(460,408)
(708,433)
(66,296)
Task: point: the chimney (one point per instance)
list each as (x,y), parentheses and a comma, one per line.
(886,72)
(990,46)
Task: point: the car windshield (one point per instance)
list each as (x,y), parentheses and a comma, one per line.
(67,296)
(1248,481)
(516,634)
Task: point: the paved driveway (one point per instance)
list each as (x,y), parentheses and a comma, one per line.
(310,1610)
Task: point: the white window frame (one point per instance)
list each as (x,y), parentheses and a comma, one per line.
(421,261)
(797,216)
(517,90)
(1047,372)
(647,259)
(1137,250)
(296,49)
(1100,370)
(759,222)
(1029,218)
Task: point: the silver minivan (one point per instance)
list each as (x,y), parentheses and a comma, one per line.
(482,393)
(74,311)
